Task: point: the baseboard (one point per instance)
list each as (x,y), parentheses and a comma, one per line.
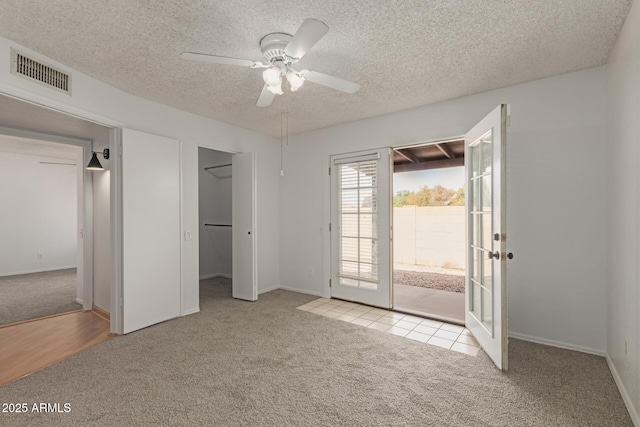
(264,291)
(558,344)
(37,270)
(301,291)
(101,313)
(626,398)
(79,301)
(191,311)
(211,276)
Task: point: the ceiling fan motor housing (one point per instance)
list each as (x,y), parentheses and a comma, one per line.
(273,45)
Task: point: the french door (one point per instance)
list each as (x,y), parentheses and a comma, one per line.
(360,227)
(486,281)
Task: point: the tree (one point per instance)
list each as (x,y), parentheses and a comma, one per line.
(400,198)
(436,196)
(458,198)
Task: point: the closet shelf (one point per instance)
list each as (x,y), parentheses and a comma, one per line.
(221,171)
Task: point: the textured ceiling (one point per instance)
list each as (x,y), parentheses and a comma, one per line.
(403,53)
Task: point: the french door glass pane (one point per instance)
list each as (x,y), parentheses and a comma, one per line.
(486,193)
(476,274)
(487,152)
(358,208)
(487,271)
(476,239)
(476,305)
(475,161)
(487,236)
(349,248)
(487,311)
(476,195)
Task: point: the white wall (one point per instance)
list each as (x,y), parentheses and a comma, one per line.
(215,208)
(623,140)
(106,104)
(38,214)
(101,228)
(556,212)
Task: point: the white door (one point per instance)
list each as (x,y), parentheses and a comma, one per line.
(360,227)
(150,229)
(243,210)
(486,281)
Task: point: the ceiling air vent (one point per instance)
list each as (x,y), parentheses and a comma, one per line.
(23,66)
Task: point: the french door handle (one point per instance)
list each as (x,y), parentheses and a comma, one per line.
(495,255)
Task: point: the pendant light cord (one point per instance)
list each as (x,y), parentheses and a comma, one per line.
(284,138)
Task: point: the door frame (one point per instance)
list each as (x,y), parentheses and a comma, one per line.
(255,207)
(326,212)
(114,138)
(412,145)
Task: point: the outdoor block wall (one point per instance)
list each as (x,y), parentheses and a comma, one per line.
(432,236)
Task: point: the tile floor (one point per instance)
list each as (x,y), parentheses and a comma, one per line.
(428,331)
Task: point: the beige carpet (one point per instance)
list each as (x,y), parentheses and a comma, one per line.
(29,296)
(266,363)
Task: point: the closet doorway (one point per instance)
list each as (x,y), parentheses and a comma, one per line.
(227,238)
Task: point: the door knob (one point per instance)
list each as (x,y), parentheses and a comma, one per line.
(495,255)
(510,255)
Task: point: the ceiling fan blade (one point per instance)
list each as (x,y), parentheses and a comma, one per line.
(309,33)
(202,57)
(330,81)
(266,97)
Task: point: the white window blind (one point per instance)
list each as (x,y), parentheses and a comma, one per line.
(358,222)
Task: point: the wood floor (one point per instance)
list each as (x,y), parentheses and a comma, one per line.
(33,345)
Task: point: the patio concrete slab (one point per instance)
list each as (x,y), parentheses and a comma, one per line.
(445,304)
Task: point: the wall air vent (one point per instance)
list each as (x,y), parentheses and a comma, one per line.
(23,66)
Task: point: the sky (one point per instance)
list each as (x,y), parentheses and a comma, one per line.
(413,181)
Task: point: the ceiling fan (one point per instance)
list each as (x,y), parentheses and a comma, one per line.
(280,51)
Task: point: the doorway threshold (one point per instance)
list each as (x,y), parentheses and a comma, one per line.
(433,316)
(436,303)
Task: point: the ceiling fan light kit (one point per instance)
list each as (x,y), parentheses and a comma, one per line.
(295,80)
(272,76)
(280,51)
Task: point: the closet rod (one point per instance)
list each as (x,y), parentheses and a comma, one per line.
(218,225)
(216,167)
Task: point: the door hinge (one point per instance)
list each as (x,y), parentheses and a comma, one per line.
(329,170)
(121,302)
(509,121)
(329,227)
(329,282)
